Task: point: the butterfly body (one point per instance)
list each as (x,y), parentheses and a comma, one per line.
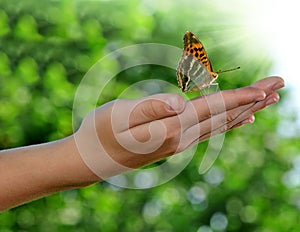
(194,71)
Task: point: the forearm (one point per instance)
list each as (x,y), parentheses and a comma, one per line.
(32,172)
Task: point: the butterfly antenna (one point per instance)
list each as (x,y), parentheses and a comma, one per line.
(228,70)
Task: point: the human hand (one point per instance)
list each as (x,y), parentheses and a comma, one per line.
(126,134)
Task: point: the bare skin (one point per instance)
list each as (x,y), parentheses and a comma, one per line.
(166,123)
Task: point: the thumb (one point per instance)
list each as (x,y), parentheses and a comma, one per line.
(156,107)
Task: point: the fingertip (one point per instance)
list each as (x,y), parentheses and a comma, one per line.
(269,83)
(279,84)
(273,98)
(249,120)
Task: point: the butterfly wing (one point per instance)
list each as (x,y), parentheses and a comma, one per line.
(192,75)
(194,70)
(193,46)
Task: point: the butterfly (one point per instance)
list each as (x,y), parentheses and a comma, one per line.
(194,71)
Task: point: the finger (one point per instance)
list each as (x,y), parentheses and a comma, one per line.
(271,99)
(205,107)
(226,100)
(235,118)
(227,120)
(224,128)
(156,107)
(269,84)
(145,110)
(249,120)
(217,123)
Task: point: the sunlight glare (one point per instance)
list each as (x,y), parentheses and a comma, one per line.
(274,25)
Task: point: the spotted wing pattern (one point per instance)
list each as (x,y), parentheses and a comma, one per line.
(194,71)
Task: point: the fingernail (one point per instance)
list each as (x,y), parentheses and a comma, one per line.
(278,85)
(272,100)
(175,103)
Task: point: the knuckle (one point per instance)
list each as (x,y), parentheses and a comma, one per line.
(173,133)
(150,110)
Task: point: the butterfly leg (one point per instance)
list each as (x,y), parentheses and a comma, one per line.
(214,87)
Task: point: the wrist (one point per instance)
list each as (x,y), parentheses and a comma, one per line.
(75,173)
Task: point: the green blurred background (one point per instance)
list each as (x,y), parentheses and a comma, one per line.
(46,47)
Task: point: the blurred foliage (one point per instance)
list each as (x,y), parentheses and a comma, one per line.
(46,47)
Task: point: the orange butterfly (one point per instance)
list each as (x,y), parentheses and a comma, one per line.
(194,71)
